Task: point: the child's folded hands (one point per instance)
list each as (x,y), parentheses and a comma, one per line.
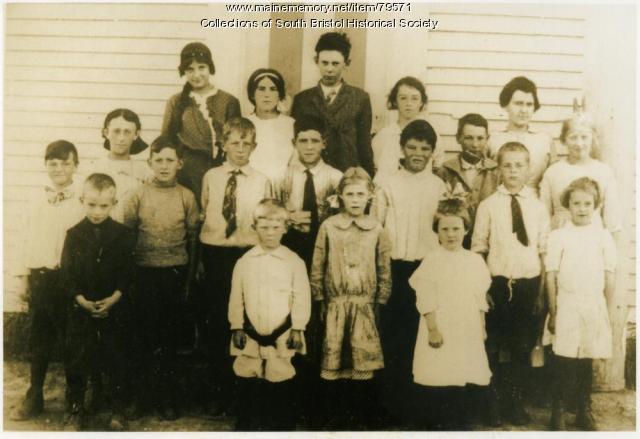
(87,305)
(103,306)
(295,339)
(239,338)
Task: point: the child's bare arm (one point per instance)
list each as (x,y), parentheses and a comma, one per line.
(435,338)
(609,287)
(481,229)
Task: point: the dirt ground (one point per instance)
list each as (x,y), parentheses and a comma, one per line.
(614,411)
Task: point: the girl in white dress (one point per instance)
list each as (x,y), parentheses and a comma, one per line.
(580,264)
(451,286)
(274,130)
(581,139)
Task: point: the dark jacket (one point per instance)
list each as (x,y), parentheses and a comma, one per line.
(348,124)
(475,191)
(195,132)
(95,268)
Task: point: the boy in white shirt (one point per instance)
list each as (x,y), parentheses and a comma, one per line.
(405,203)
(511,232)
(52,211)
(230,194)
(269,307)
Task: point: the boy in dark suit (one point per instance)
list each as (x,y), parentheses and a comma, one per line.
(97,262)
(346,110)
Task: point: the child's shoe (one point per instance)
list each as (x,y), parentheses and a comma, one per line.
(584,418)
(94,401)
(167,412)
(557,417)
(519,415)
(118,422)
(74,419)
(136,410)
(31,405)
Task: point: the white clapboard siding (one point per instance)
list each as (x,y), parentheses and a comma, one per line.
(479,48)
(66,66)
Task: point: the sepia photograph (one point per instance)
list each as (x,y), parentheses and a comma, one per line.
(319,216)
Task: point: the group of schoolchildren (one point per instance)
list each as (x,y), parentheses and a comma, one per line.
(328,296)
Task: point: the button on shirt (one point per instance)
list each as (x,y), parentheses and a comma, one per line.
(45,228)
(269,285)
(492,234)
(252,187)
(406,203)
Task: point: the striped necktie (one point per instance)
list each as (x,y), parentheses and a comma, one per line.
(229,203)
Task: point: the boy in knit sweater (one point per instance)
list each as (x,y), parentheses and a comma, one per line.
(166,218)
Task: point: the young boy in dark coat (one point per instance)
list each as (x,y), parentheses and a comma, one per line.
(97,262)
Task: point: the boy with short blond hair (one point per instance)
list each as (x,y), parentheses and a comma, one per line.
(230,194)
(97,266)
(511,231)
(269,307)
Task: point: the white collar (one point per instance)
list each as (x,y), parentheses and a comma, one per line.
(525,192)
(281,252)
(298,166)
(335,89)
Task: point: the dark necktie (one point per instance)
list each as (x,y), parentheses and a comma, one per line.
(229,203)
(309,202)
(518,221)
(329,98)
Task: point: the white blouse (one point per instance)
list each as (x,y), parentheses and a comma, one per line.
(274,145)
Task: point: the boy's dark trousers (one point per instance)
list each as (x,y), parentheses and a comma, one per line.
(93,344)
(157,302)
(511,326)
(308,366)
(266,406)
(218,265)
(398,332)
(47,310)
